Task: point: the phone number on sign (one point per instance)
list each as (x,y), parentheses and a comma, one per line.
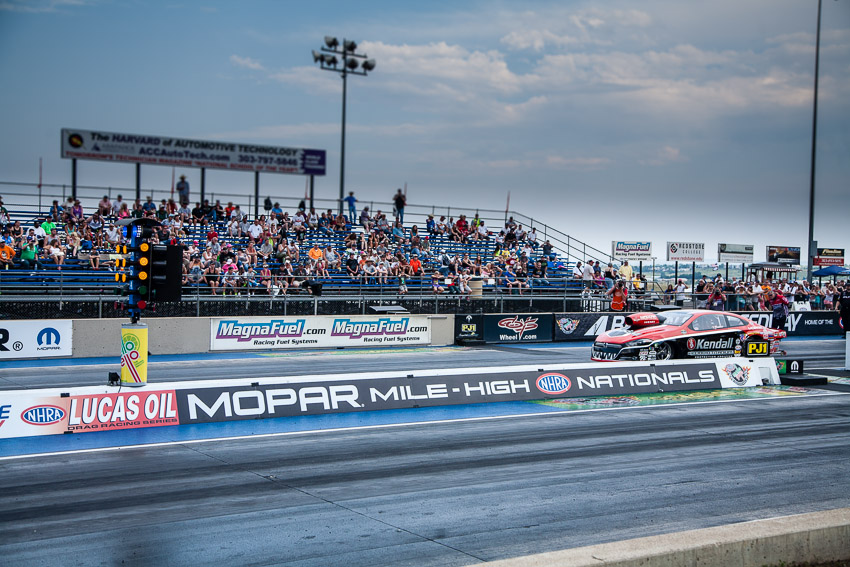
(262,160)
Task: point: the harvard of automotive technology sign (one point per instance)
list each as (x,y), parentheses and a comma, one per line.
(253,333)
(182,152)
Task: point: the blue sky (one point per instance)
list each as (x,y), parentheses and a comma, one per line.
(608,120)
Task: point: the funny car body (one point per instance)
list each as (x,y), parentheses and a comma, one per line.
(686,334)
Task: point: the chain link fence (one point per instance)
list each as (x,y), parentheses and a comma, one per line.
(88,307)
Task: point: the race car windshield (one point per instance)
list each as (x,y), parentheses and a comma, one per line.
(676,319)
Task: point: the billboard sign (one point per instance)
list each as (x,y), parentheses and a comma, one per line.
(735,253)
(35,339)
(685,251)
(631,249)
(829,257)
(183,152)
(253,333)
(784,255)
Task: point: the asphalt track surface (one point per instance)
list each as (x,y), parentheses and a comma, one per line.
(447,492)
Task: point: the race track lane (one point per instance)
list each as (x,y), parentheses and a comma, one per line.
(435,494)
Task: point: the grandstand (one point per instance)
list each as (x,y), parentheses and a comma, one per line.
(291,272)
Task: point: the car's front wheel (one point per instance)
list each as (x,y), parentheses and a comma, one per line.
(664,351)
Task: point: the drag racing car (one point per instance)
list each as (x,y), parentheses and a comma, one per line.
(686,334)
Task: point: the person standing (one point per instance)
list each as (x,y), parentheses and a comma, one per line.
(843,301)
(399,201)
(183,190)
(352,209)
(779,305)
(681,288)
(618,294)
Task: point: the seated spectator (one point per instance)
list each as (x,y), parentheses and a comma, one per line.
(266,278)
(7,255)
(441,227)
(435,283)
(331,257)
(352,266)
(315,254)
(431,225)
(56,252)
(104,207)
(230,280)
(29,256)
(366,220)
(340,223)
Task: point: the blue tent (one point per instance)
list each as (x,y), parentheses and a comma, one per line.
(832,271)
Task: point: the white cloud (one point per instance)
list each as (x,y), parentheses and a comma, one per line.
(246,63)
(40,6)
(664,156)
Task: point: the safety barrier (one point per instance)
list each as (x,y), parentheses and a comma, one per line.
(104,408)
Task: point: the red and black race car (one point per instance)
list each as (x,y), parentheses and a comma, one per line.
(686,334)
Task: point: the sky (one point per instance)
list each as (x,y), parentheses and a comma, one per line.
(657,120)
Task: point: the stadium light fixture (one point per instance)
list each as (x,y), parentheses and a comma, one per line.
(353,63)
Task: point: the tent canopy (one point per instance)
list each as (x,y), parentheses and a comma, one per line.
(832,271)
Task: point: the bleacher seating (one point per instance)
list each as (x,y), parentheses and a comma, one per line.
(77,277)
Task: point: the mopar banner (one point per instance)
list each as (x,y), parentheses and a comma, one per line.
(586,326)
(533,328)
(257,401)
(35,339)
(252,333)
(27,413)
(165,150)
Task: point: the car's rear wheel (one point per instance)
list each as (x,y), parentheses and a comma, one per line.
(664,351)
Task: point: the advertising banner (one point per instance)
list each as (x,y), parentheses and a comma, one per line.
(35,339)
(533,328)
(829,257)
(480,385)
(631,250)
(735,253)
(252,333)
(31,413)
(134,354)
(685,251)
(784,255)
(181,152)
(469,328)
(587,326)
(79,410)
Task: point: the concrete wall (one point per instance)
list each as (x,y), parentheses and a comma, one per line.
(186,335)
(816,537)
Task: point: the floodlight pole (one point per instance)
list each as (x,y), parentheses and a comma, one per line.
(350,65)
(813,251)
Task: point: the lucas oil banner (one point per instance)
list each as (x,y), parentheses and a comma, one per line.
(254,333)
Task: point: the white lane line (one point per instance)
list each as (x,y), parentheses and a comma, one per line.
(554,413)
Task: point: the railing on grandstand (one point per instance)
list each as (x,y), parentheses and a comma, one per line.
(23,197)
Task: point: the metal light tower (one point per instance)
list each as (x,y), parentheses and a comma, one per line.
(811,244)
(348,64)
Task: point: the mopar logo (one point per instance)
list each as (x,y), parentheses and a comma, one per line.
(553,383)
(43,415)
(48,336)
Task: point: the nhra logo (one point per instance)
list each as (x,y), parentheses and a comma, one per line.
(553,383)
(519,326)
(568,326)
(43,415)
(737,373)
